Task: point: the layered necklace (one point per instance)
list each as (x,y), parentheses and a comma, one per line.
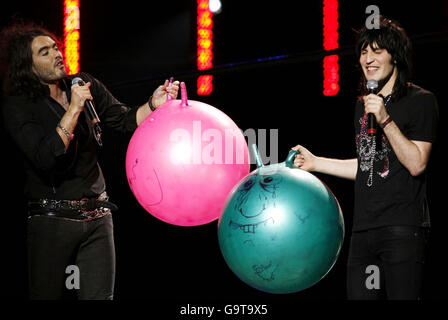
(370,178)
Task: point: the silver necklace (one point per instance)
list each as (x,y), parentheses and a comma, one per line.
(387,99)
(370,178)
(64,101)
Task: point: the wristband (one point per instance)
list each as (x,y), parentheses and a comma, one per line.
(385,123)
(69,136)
(151,106)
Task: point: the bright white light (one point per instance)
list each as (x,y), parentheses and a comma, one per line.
(214,6)
(180,153)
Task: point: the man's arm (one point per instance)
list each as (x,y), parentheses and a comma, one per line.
(70,119)
(305,160)
(413,155)
(68,122)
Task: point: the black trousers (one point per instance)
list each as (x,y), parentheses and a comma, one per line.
(386,263)
(55,245)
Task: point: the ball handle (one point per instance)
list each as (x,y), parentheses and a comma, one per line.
(257,156)
(183,95)
(289,162)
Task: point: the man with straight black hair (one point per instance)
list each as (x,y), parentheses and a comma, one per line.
(391,218)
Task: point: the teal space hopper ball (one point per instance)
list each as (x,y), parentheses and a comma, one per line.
(281,229)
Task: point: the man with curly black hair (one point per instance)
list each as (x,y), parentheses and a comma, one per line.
(69,223)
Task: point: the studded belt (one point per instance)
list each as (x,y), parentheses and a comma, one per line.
(84,209)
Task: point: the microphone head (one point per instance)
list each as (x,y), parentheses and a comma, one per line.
(372,86)
(77,80)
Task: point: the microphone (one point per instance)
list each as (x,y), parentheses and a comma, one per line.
(91,114)
(372,87)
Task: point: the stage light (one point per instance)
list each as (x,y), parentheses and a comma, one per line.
(215,6)
(331,75)
(204,59)
(71,35)
(331,42)
(205,85)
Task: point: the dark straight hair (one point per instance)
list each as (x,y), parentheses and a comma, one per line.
(392,37)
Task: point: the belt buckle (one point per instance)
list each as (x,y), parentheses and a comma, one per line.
(52,204)
(80,204)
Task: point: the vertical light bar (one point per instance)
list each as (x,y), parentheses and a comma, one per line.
(331,42)
(71,35)
(204,46)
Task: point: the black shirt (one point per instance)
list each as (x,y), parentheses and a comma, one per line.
(52,172)
(395,196)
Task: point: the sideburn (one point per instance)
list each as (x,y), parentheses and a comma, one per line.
(383,82)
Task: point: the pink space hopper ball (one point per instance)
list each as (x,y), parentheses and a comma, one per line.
(183,161)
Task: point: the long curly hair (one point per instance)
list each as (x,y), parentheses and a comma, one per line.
(16,60)
(392,37)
